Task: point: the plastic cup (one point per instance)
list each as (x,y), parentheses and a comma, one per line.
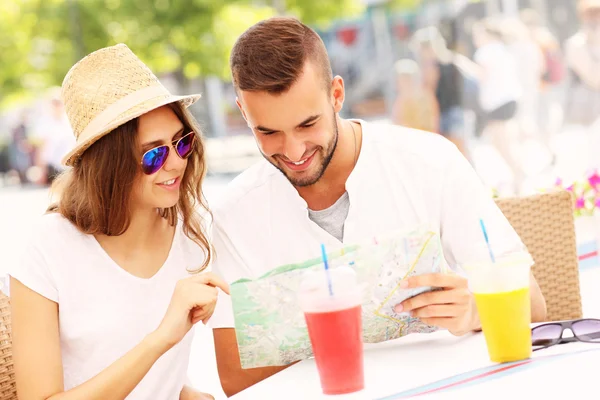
(502,296)
(335,328)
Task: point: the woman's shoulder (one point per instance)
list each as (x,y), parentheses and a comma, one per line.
(54,229)
(53,222)
(51,246)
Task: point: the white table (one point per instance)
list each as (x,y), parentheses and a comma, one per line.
(417,360)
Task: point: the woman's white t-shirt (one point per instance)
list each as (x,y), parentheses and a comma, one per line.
(104,311)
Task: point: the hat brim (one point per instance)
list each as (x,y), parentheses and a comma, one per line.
(134,112)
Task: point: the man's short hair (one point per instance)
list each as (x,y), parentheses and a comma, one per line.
(270,56)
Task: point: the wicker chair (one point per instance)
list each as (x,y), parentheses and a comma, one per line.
(8,386)
(545,223)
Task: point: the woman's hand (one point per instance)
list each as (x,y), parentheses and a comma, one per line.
(194,299)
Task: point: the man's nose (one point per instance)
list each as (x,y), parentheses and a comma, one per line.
(294,148)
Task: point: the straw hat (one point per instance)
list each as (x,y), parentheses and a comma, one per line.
(106,89)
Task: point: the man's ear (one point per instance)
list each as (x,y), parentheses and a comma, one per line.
(338,93)
(239,104)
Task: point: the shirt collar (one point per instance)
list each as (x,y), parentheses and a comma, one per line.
(282,185)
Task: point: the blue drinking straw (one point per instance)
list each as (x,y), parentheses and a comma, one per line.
(324,255)
(487,241)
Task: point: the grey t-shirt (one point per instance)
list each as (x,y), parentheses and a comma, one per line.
(332,219)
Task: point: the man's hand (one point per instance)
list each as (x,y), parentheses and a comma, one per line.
(452,307)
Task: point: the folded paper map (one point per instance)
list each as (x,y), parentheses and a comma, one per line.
(270,325)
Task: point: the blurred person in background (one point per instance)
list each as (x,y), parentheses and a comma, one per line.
(55,139)
(5,167)
(20,150)
(108,290)
(530,70)
(416,105)
(447,81)
(550,113)
(499,93)
(582,53)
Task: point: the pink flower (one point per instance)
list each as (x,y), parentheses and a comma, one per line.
(594,179)
(580,203)
(558,182)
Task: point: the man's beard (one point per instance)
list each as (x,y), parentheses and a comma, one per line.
(326,156)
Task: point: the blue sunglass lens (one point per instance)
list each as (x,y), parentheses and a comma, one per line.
(154,159)
(185,145)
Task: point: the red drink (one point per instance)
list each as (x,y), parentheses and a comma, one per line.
(336,338)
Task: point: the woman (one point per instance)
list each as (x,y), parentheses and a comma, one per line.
(103,301)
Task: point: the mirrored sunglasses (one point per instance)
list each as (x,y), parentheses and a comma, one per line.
(154,159)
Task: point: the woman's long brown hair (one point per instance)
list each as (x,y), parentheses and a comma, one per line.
(95,193)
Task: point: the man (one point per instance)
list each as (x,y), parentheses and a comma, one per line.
(329,180)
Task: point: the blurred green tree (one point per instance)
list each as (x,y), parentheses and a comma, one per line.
(41,39)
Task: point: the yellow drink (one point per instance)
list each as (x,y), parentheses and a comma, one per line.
(505,319)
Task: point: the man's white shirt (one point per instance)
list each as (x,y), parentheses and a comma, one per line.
(403,179)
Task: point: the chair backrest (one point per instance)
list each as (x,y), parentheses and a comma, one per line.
(8,386)
(545,223)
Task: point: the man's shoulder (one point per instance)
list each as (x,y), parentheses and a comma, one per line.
(410,145)
(251,183)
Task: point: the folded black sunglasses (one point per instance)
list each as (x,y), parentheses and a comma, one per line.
(550,334)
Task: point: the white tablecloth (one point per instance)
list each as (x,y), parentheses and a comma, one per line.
(460,365)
